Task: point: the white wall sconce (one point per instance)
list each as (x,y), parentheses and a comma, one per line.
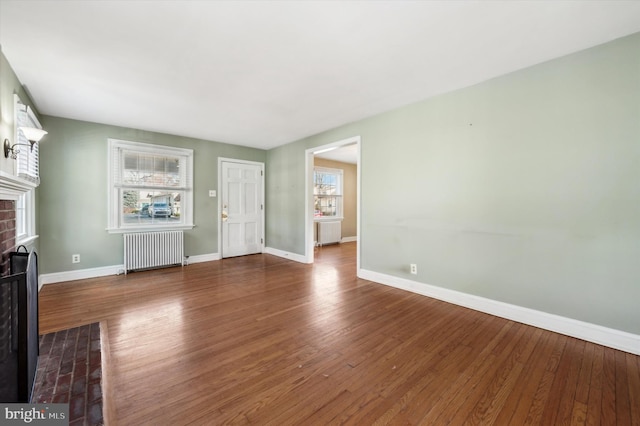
(32,134)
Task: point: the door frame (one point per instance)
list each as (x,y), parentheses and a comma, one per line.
(308,209)
(219,196)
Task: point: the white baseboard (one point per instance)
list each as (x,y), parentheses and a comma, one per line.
(285,254)
(103,271)
(612,338)
(80,274)
(199,258)
(348,240)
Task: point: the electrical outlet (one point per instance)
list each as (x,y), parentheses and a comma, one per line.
(75,258)
(414,268)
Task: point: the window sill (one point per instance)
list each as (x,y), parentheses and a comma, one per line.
(12,187)
(328,219)
(156,228)
(26,240)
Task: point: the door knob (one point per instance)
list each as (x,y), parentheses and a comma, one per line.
(224,216)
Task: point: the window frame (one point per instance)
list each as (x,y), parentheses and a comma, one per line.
(116,148)
(26,218)
(339,197)
(27,158)
(25,203)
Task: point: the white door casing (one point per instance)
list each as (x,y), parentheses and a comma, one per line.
(309,205)
(241,207)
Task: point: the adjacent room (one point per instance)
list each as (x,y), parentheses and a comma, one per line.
(322,212)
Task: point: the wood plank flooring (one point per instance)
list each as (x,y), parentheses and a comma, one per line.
(263,340)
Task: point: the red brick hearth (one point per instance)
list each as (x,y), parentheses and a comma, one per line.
(70,371)
(70,361)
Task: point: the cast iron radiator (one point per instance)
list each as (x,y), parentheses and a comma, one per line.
(146,250)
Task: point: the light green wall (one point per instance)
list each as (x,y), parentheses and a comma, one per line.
(523,189)
(9,85)
(72,201)
(284,194)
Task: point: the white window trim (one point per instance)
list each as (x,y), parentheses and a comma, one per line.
(28,215)
(29,219)
(114,225)
(339,172)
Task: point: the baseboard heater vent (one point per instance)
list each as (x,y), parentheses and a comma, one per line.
(149,250)
(329,232)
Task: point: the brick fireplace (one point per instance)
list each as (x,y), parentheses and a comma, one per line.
(19,296)
(11,188)
(7,233)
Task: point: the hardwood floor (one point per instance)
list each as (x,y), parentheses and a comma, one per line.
(264,340)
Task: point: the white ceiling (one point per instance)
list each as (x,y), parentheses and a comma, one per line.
(343,154)
(266,73)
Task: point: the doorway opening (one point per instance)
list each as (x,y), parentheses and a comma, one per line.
(343,151)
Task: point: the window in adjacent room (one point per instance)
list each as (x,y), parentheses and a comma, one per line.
(151,187)
(327,191)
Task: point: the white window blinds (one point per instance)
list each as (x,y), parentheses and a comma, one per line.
(150,166)
(27,160)
(151,186)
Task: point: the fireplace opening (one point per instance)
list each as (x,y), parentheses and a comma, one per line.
(19,344)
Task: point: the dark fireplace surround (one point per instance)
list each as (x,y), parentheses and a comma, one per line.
(18,301)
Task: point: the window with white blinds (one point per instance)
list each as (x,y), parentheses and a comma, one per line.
(27,161)
(27,167)
(151,187)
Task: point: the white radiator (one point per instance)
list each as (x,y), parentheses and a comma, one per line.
(329,232)
(146,250)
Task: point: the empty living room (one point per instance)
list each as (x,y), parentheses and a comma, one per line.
(320,212)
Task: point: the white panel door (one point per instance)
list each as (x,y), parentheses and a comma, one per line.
(241,209)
